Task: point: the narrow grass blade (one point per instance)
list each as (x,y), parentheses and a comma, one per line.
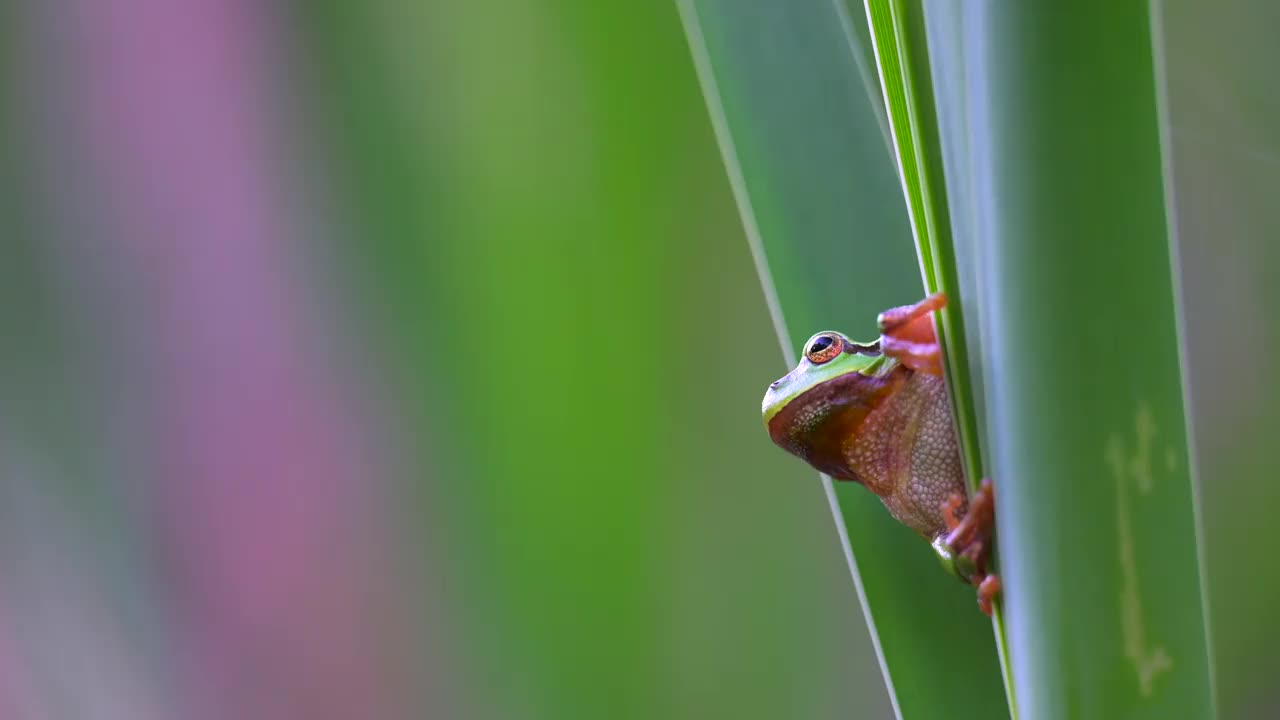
(899,32)
(822,204)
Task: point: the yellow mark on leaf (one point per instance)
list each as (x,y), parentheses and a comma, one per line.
(1147,661)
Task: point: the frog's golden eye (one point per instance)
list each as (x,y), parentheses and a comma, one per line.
(824,348)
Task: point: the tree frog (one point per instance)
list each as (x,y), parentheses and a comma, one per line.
(878,414)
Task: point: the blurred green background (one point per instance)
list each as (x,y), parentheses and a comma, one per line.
(483,270)
(365,360)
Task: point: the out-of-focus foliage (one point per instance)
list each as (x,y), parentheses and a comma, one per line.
(365,360)
(1225,131)
(373,360)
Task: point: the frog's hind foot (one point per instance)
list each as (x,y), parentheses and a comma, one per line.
(970,537)
(976,525)
(953,505)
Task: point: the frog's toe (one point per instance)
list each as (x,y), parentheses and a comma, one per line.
(988,590)
(949,509)
(923,357)
(894,320)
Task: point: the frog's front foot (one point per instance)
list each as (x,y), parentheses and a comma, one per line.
(970,538)
(906,334)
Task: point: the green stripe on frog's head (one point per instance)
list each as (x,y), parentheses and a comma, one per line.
(827,356)
(816,408)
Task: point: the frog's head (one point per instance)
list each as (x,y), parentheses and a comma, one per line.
(814,409)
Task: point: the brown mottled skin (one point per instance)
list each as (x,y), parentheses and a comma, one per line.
(892,432)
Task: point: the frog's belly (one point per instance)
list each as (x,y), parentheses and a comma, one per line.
(906,453)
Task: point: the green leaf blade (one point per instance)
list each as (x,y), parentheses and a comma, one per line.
(814,181)
(1096,510)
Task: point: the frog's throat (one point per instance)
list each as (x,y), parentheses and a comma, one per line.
(815,425)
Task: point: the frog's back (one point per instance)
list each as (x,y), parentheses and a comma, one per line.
(906,452)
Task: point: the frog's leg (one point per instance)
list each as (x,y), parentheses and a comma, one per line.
(976,525)
(906,333)
(954,504)
(970,538)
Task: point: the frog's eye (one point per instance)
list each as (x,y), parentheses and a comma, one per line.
(824,348)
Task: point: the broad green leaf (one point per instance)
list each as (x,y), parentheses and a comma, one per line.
(1084,394)
(822,205)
